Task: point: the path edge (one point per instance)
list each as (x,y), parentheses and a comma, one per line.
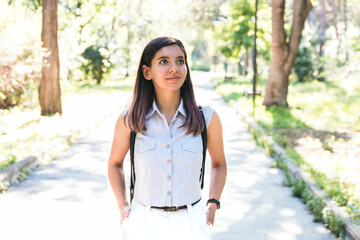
(13,173)
(352,231)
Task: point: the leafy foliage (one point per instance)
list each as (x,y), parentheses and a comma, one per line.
(303,66)
(236,31)
(316,205)
(200,57)
(20,55)
(97,62)
(11,160)
(33,4)
(334,222)
(298,188)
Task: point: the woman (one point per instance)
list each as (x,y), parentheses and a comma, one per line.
(167,201)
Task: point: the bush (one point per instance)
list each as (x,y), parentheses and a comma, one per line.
(303,66)
(199,56)
(316,205)
(20,52)
(335,223)
(298,188)
(200,66)
(97,62)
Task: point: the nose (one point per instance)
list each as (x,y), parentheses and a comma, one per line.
(173,68)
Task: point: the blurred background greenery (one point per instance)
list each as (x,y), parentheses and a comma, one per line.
(100,43)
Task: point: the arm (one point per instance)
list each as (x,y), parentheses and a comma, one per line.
(120,146)
(218,164)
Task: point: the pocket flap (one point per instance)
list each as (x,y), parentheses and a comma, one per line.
(144,146)
(192,146)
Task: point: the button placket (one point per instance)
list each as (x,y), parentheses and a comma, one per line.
(168,150)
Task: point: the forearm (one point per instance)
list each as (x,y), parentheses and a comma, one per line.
(117,182)
(217,181)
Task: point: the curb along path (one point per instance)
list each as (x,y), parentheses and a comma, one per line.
(71,199)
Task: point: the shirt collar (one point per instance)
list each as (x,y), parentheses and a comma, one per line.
(154,108)
(181,109)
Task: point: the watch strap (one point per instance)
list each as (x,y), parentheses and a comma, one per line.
(213,200)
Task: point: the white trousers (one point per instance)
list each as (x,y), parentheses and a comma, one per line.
(145,223)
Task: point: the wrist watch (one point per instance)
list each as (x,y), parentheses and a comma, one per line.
(213,200)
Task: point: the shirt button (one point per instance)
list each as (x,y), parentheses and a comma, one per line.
(168,146)
(169,193)
(169,177)
(168,161)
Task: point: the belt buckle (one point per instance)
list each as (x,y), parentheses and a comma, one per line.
(171,209)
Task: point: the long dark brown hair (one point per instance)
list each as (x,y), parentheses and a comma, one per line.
(144,92)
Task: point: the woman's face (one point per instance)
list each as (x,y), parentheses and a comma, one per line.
(168,69)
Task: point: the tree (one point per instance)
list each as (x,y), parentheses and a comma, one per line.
(97,62)
(335,23)
(49,89)
(322,26)
(236,33)
(254,55)
(284,49)
(345,30)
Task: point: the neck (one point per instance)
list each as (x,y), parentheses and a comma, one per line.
(168,102)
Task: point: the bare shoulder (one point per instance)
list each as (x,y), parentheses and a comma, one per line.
(122,126)
(215,121)
(215,141)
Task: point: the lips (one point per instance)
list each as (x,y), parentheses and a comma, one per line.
(173,78)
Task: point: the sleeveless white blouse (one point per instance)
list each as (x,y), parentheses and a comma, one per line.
(167,161)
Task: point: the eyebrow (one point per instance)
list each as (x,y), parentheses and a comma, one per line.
(168,57)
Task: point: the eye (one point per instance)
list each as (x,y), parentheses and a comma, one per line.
(163,61)
(181,61)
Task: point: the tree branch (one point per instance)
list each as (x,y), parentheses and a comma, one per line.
(301,11)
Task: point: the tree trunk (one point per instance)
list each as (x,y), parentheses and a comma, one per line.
(254,55)
(49,89)
(129,24)
(322,26)
(284,50)
(114,18)
(335,23)
(345,31)
(246,61)
(312,17)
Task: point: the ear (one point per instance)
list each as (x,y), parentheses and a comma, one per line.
(146,72)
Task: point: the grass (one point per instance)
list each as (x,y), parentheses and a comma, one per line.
(319,130)
(24,132)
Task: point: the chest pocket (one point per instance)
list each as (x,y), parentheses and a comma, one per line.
(192,153)
(145,154)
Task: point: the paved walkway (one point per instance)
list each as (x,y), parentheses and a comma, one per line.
(71,198)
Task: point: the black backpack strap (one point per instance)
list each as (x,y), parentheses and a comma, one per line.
(132,170)
(204,140)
